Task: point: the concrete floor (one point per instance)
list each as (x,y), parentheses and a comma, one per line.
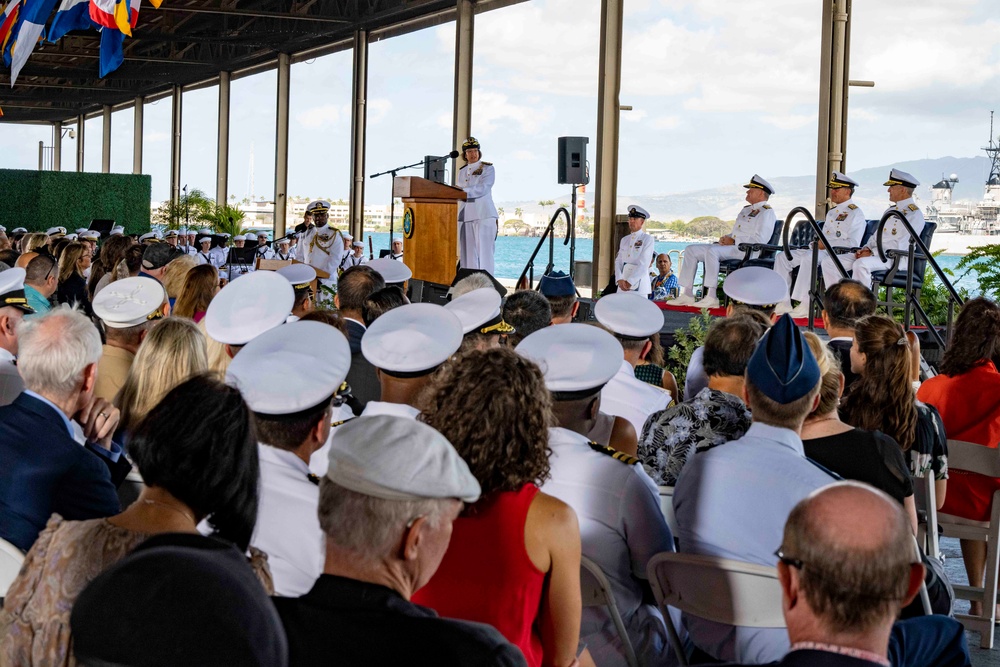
(956,572)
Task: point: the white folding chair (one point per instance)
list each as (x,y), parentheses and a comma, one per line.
(595,590)
(10,564)
(716,589)
(984,461)
(925,495)
(667,508)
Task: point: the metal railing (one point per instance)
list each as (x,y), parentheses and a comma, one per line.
(815,298)
(549,234)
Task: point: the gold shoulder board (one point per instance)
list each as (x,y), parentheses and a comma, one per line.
(615,454)
(488,164)
(852,206)
(912,207)
(341,422)
(766,206)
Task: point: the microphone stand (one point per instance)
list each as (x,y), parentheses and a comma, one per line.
(392,197)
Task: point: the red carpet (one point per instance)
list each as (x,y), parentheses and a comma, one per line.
(721,312)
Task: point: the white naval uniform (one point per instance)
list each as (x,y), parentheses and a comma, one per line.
(262,252)
(621,529)
(626,396)
(284,256)
(301,249)
(319,461)
(206,258)
(351,260)
(219,256)
(477,216)
(844,227)
(325,253)
(288,528)
(398,258)
(635,254)
(236,270)
(11,384)
(754,224)
(894,237)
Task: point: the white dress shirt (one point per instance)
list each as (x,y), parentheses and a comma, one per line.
(626,396)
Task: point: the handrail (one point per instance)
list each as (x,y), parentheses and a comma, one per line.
(914,240)
(529,268)
(815,299)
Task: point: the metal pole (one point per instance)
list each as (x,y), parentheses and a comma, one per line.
(177,99)
(823,138)
(222,159)
(137,112)
(606,172)
(41,155)
(281,144)
(837,88)
(106,140)
(57,146)
(359,120)
(831,145)
(80,127)
(464,45)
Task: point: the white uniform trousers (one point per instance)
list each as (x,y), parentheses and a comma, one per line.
(477,241)
(783,267)
(864,267)
(831,275)
(709,253)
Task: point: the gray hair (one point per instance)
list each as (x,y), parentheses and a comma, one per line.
(470,283)
(367,526)
(55,348)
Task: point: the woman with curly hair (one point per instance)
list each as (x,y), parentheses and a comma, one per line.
(514,557)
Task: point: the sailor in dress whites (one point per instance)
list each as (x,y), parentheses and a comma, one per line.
(205,254)
(238,268)
(221,252)
(635,255)
(844,227)
(477,215)
(263,251)
(632,318)
(192,242)
(754,224)
(894,236)
(284,252)
(290,391)
(356,258)
(301,276)
(396,248)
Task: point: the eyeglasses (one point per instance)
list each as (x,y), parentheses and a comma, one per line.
(51,269)
(787,560)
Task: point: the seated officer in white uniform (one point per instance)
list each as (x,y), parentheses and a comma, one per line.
(481,317)
(246,308)
(754,224)
(301,276)
(633,318)
(291,390)
(635,255)
(844,227)
(221,252)
(894,236)
(621,526)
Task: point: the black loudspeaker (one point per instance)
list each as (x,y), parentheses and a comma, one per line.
(573,160)
(422,291)
(462,273)
(435,168)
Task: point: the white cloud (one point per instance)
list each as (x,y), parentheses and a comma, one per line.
(790,121)
(634,116)
(378,109)
(155,137)
(493,109)
(523,155)
(666,122)
(317,117)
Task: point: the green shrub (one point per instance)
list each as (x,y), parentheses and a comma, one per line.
(686,341)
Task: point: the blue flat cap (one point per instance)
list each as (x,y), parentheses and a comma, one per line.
(783,366)
(557,283)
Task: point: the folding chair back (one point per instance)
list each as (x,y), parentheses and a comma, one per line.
(667,508)
(595,589)
(925,495)
(10,564)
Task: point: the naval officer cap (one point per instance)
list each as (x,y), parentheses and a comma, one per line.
(899,177)
(629,315)
(783,367)
(318,206)
(761,184)
(391,270)
(635,211)
(397,458)
(117,230)
(471,142)
(756,286)
(70,237)
(130,302)
(56,231)
(479,312)
(149,236)
(79,230)
(576,359)
(412,340)
(246,308)
(20,230)
(841,180)
(299,275)
(171,233)
(557,283)
(291,369)
(12,290)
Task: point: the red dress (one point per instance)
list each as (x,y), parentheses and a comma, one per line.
(487,576)
(970,408)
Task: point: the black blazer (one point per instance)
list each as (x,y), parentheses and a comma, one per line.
(354,333)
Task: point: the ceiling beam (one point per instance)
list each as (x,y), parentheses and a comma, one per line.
(250,13)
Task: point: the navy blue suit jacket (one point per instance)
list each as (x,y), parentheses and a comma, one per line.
(44,471)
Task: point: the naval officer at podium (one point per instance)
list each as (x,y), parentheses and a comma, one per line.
(477,216)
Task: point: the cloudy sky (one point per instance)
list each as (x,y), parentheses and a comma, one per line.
(718,93)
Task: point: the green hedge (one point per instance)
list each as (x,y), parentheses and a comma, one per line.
(38,200)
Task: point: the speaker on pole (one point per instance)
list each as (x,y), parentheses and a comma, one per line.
(573,161)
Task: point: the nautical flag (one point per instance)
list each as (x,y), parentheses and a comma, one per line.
(111,50)
(71,15)
(7,20)
(114,14)
(34,14)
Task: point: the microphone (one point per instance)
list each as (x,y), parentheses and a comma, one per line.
(453,154)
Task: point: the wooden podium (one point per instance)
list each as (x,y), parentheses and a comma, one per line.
(431,248)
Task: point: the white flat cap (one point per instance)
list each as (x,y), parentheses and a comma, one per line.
(479,311)
(20,230)
(291,368)
(395,458)
(755,286)
(149,236)
(574,357)
(70,237)
(246,308)
(318,206)
(12,290)
(900,177)
(391,270)
(170,233)
(299,275)
(91,234)
(129,302)
(396,237)
(841,180)
(117,230)
(56,231)
(415,338)
(629,314)
(637,211)
(349,237)
(358,244)
(759,183)
(205,238)
(79,230)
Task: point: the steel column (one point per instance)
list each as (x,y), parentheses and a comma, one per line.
(465,19)
(359,119)
(281,144)
(80,125)
(222,159)
(175,143)
(57,146)
(106,139)
(137,121)
(608,111)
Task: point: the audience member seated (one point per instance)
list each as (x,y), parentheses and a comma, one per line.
(155,259)
(732,501)
(302,277)
(967,395)
(381,302)
(128,308)
(617,504)
(514,558)
(664,284)
(716,415)
(470,283)
(482,320)
(174,277)
(45,469)
(391,493)
(846,569)
(527,311)
(14,307)
(651,371)
(192,469)
(112,252)
(74,260)
(178,599)
(246,308)
(355,285)
(291,392)
(844,304)
(560,291)
(199,288)
(853,453)
(40,282)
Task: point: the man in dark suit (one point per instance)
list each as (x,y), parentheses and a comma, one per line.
(354,286)
(52,464)
(844,304)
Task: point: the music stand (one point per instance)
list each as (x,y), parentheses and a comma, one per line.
(102,225)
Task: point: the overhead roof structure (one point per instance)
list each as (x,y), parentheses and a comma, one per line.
(189,42)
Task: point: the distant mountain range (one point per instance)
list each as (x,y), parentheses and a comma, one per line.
(726,201)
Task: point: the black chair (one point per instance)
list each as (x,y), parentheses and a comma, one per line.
(765,253)
(895,278)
